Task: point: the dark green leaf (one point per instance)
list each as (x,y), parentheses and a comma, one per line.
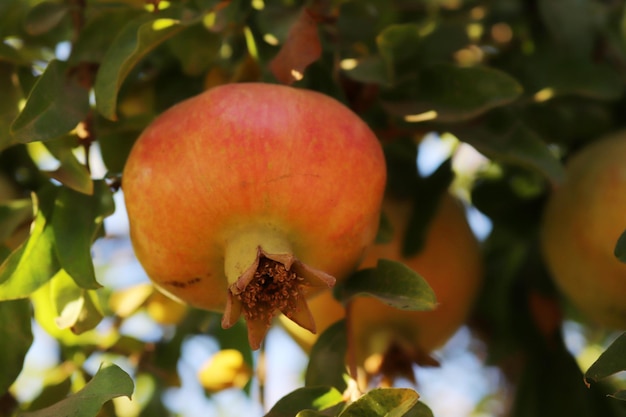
(44,17)
(371,69)
(196,48)
(455,93)
(393,283)
(108,383)
(9,105)
(131,45)
(398,45)
(620,248)
(35,262)
(98,35)
(313,398)
(517,145)
(56,104)
(570,23)
(77,218)
(14,214)
(426,199)
(15,330)
(327,360)
(311,413)
(611,361)
(385,230)
(10,54)
(382,402)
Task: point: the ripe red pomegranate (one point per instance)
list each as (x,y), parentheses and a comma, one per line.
(248,197)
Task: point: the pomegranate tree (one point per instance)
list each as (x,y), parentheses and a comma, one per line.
(248,197)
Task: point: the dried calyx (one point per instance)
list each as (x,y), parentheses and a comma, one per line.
(273,283)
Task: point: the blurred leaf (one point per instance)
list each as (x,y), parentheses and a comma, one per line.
(311,413)
(327,360)
(383,402)
(371,69)
(15,330)
(455,93)
(313,398)
(77,218)
(517,145)
(301,48)
(34,262)
(611,361)
(398,45)
(9,105)
(385,230)
(108,383)
(71,172)
(393,283)
(551,384)
(53,391)
(99,33)
(13,214)
(426,199)
(56,104)
(620,248)
(619,395)
(131,45)
(196,48)
(570,23)
(10,54)
(44,17)
(76,308)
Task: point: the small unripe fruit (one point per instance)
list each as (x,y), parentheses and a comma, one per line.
(248,197)
(583,220)
(387,340)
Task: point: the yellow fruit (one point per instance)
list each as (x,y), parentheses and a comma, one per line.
(226,369)
(583,220)
(451,263)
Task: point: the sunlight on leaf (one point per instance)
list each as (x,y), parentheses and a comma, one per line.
(382,402)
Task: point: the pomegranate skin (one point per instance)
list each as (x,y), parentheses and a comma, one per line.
(251,162)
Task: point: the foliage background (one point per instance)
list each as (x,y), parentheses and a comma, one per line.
(525,83)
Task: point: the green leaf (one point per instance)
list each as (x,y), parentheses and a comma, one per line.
(419,410)
(310,398)
(77,309)
(55,105)
(35,261)
(620,248)
(109,382)
(44,17)
(15,330)
(71,172)
(455,93)
(518,145)
(611,361)
(77,218)
(619,395)
(382,402)
(327,360)
(570,23)
(393,283)
(131,45)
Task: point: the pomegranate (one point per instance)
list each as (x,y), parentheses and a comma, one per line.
(248,197)
(582,222)
(387,340)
